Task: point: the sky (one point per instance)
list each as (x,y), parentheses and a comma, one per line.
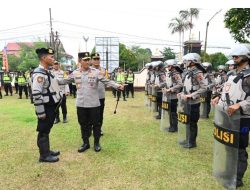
(142,23)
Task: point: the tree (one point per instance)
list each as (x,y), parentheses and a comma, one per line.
(218,59)
(168,54)
(13,61)
(237,20)
(142,56)
(188,15)
(178,25)
(127,58)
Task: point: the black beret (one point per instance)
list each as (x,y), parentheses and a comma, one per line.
(41,51)
(95,55)
(84,55)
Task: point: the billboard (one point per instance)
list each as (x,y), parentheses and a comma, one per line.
(108,48)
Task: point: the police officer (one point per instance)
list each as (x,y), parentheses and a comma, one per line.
(87,101)
(220,79)
(130,82)
(209,77)
(237,90)
(46,97)
(64,88)
(7,82)
(120,79)
(113,77)
(95,59)
(173,86)
(194,86)
(159,82)
(231,68)
(22,85)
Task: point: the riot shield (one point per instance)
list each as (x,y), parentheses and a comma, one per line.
(203,105)
(165,111)
(183,112)
(154,99)
(226,143)
(149,97)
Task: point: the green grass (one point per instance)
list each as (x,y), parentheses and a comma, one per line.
(135,154)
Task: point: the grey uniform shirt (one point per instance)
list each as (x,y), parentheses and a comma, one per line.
(87,87)
(101,86)
(59,74)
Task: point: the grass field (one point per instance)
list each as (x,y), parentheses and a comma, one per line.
(135,153)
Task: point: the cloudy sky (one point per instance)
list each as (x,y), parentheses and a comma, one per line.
(143,23)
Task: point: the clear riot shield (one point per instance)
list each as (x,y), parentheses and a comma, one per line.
(149,97)
(146,100)
(153,99)
(203,105)
(226,143)
(165,111)
(183,112)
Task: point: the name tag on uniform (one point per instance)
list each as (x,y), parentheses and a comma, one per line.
(226,136)
(165,105)
(153,98)
(183,118)
(202,99)
(149,97)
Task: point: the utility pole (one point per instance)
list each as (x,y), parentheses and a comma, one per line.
(52,42)
(57,44)
(205,48)
(107,59)
(86,41)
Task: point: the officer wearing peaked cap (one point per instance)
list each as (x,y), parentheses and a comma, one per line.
(87,101)
(46,97)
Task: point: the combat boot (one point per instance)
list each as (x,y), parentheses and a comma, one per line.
(172,129)
(57,120)
(190,145)
(45,154)
(1,95)
(85,146)
(124,99)
(65,120)
(97,145)
(20,97)
(55,153)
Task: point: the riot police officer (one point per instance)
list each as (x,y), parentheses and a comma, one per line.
(87,101)
(22,85)
(209,77)
(235,99)
(130,82)
(7,82)
(120,79)
(46,97)
(172,88)
(231,68)
(194,86)
(220,79)
(64,88)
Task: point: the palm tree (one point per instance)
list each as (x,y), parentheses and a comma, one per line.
(179,25)
(189,14)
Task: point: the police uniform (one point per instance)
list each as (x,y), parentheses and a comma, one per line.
(219,81)
(195,85)
(46,96)
(87,101)
(7,83)
(130,82)
(120,79)
(209,77)
(22,85)
(64,88)
(174,85)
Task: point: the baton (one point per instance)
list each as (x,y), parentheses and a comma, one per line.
(117,101)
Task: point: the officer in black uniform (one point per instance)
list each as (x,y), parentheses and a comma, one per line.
(46,97)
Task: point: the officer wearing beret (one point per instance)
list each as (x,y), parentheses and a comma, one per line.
(46,97)
(87,101)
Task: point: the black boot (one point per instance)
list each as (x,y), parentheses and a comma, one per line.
(57,120)
(1,95)
(45,154)
(85,145)
(124,99)
(65,120)
(20,97)
(97,145)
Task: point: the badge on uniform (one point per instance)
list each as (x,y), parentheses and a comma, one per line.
(39,79)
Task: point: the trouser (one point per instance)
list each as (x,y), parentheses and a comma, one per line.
(16,87)
(159,102)
(1,93)
(130,88)
(30,93)
(114,92)
(21,89)
(208,101)
(102,102)
(192,130)
(74,90)
(63,107)
(119,93)
(242,153)
(173,114)
(44,127)
(70,89)
(88,117)
(7,88)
